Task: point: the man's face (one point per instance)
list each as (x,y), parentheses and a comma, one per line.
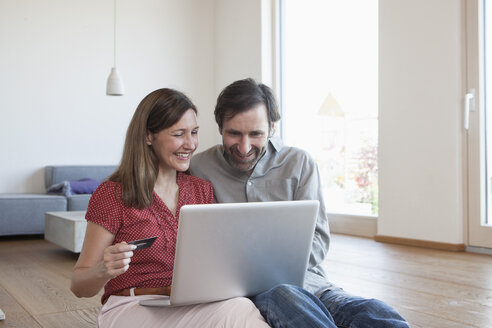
(245,137)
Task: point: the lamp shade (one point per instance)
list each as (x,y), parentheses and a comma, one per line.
(330,107)
(114,86)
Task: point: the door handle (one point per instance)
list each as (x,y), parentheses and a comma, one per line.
(469,107)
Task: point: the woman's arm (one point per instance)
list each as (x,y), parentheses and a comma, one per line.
(99,261)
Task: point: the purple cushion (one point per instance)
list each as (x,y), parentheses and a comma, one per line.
(83,186)
(68,188)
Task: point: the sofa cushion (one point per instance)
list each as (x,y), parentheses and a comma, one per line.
(69,188)
(23,214)
(78,202)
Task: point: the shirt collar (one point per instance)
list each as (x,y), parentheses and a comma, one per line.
(274,146)
(277,143)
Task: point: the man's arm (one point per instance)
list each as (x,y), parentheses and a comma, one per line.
(310,188)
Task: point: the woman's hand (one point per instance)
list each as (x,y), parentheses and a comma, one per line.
(99,261)
(117,259)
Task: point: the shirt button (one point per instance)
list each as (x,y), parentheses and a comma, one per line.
(250,183)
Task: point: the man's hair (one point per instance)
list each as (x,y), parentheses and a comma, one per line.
(139,165)
(241,96)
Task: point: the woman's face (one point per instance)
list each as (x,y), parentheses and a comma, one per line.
(175,145)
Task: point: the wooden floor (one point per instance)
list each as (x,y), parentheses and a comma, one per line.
(34,287)
(428,287)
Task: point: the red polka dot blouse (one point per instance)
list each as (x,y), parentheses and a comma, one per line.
(150,267)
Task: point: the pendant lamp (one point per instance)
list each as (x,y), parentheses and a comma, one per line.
(114,86)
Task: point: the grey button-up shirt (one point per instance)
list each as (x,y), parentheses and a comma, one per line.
(283,173)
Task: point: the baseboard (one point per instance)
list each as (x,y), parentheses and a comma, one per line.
(421,243)
(479,250)
(355,225)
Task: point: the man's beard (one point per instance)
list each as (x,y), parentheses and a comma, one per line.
(232,156)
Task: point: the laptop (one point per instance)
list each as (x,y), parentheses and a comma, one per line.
(239,249)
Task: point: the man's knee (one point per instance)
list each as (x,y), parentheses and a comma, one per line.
(282,293)
(362,312)
(380,311)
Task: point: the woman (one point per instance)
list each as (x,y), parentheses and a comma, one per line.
(142,199)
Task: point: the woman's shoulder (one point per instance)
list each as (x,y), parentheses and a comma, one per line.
(107,190)
(109,185)
(105,206)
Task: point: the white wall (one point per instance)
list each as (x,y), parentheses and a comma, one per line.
(55,57)
(237,41)
(420,134)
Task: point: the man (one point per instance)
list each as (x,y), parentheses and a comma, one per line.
(250,166)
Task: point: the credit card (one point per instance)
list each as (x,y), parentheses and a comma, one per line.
(142,243)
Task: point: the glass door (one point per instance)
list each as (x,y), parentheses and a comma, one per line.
(477,120)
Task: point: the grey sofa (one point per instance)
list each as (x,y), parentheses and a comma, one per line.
(23,214)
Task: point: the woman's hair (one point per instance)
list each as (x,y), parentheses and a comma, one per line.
(241,96)
(139,165)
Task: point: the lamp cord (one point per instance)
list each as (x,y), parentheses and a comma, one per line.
(114,36)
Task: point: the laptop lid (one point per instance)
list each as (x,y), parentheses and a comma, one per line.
(240,249)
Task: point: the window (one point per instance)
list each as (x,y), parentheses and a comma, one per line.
(329,96)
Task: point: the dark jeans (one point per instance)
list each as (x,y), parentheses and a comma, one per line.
(291,306)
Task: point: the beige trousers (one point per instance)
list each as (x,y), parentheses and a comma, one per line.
(124,311)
